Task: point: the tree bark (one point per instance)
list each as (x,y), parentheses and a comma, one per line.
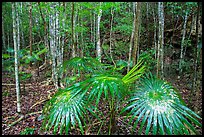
(21,24)
(94,29)
(82,37)
(160,58)
(73,32)
(111,29)
(30,24)
(98,46)
(53,46)
(91,32)
(132,37)
(155,32)
(46,42)
(182,44)
(196,93)
(136,36)
(3,34)
(16,57)
(147,21)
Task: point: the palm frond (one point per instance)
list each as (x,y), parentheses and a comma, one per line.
(136,72)
(161,108)
(64,110)
(109,85)
(80,65)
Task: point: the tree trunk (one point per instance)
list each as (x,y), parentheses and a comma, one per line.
(98,46)
(82,37)
(132,37)
(94,30)
(195,90)
(73,33)
(91,32)
(3,34)
(182,44)
(111,24)
(21,24)
(155,33)
(162,40)
(53,46)
(8,39)
(16,57)
(45,33)
(147,22)
(189,35)
(160,58)
(30,24)
(136,36)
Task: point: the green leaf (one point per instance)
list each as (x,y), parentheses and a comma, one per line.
(6,56)
(149,122)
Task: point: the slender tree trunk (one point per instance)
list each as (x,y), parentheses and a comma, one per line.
(147,21)
(160,58)
(82,37)
(136,36)
(162,40)
(182,44)
(111,29)
(64,25)
(30,24)
(21,25)
(94,29)
(98,46)
(132,36)
(3,34)
(77,32)
(16,57)
(73,32)
(196,93)
(53,46)
(189,35)
(159,38)
(8,39)
(45,33)
(91,33)
(155,33)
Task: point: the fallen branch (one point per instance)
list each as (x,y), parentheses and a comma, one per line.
(9,84)
(39,102)
(24,116)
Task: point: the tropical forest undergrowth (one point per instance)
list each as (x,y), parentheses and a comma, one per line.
(38,92)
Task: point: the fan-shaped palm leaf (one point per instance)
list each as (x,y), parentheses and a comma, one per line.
(65,109)
(68,106)
(79,65)
(157,104)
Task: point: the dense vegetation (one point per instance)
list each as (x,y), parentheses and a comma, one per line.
(102,68)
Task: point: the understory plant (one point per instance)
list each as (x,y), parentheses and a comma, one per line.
(148,101)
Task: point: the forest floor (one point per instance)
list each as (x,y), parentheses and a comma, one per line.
(37,93)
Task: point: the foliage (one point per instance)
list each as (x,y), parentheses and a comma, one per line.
(77,68)
(72,103)
(154,101)
(28,131)
(148,57)
(24,76)
(159,105)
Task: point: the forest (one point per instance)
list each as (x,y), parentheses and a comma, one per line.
(101,68)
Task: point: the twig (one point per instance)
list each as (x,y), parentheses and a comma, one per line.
(9,84)
(23,116)
(39,102)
